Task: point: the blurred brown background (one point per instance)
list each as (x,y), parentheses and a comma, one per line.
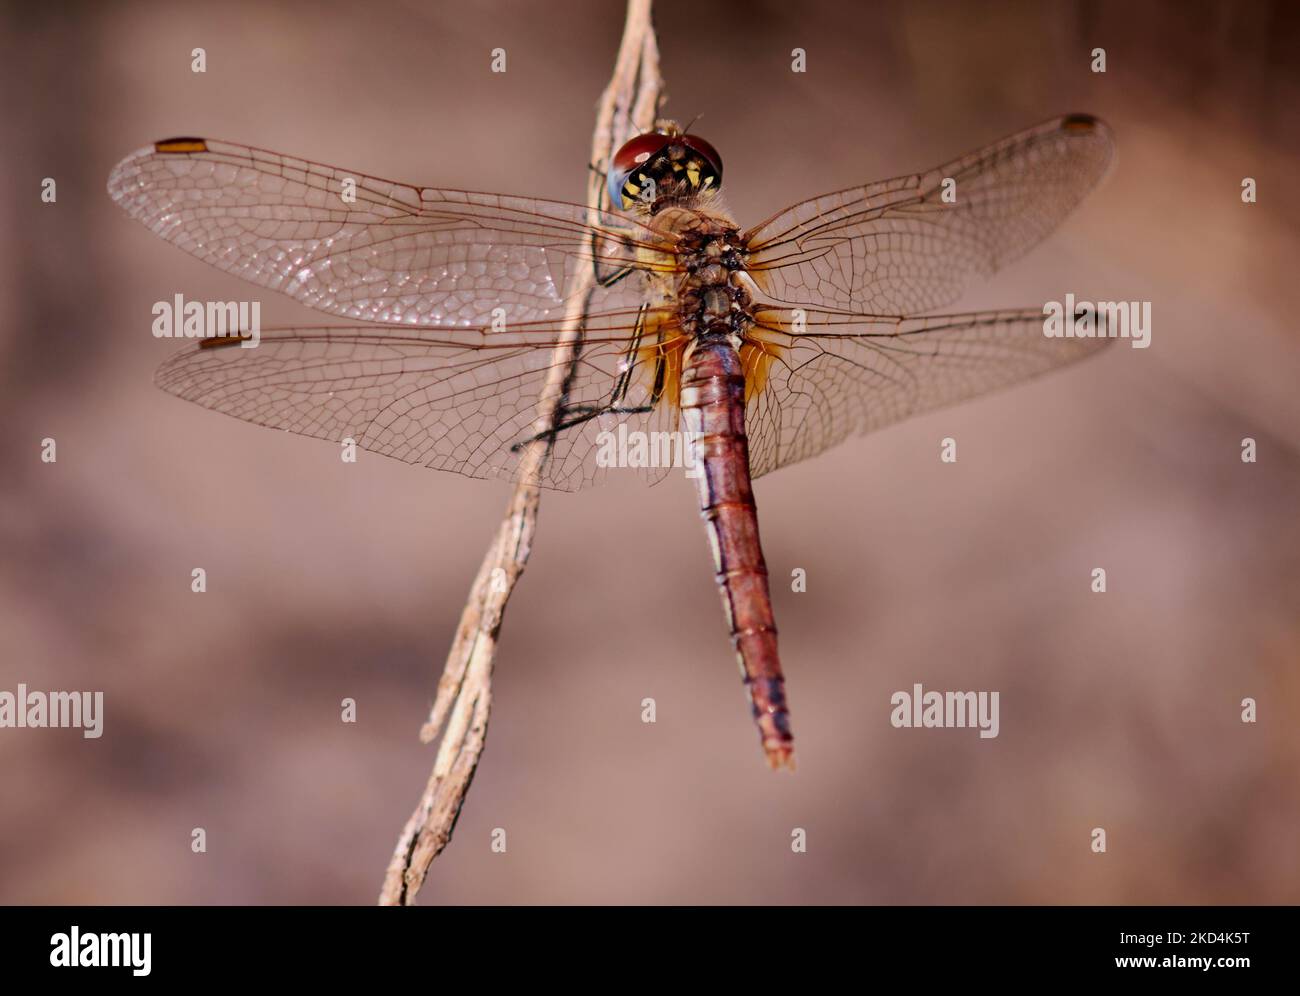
(328,581)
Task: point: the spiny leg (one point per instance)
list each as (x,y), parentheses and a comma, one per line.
(587,413)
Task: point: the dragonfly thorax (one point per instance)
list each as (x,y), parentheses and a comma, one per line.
(711,297)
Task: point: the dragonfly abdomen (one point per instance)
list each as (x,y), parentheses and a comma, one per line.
(713,412)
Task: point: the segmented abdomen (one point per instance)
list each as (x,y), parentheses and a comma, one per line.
(713,411)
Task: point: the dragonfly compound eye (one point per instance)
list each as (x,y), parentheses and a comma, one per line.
(658,165)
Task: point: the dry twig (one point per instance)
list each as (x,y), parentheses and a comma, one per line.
(464,698)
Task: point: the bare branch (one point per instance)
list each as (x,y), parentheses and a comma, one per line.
(464,698)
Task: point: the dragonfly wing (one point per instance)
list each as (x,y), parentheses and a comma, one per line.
(898,247)
(369,249)
(851,374)
(464,403)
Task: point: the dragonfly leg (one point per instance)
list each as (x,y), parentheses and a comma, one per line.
(619,272)
(586,414)
(610,279)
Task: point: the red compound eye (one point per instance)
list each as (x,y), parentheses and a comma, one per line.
(631,157)
(633,166)
(707,151)
(638,151)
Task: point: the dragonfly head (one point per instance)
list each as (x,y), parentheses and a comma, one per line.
(661,167)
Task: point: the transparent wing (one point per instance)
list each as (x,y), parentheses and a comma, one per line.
(850,374)
(369,249)
(896,247)
(463,404)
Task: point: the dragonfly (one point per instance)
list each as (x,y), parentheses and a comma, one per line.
(454,343)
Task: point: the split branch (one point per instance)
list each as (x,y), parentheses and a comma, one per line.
(463,702)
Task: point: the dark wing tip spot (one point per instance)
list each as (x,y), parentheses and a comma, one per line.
(177,145)
(216,342)
(1079,122)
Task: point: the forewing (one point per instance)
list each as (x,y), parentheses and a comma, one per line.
(464,404)
(369,249)
(850,374)
(896,247)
